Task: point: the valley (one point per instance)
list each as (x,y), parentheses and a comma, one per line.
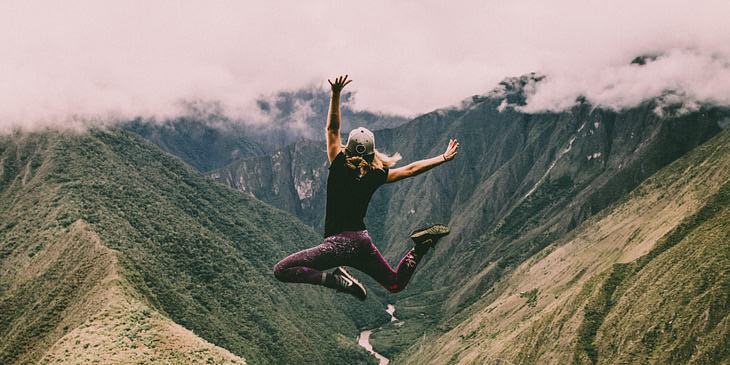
(588,236)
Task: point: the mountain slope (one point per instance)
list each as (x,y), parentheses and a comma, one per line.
(531,180)
(205,142)
(292,179)
(520,182)
(78,210)
(644,281)
(515,174)
(508,163)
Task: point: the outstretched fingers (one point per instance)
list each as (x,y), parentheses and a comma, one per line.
(340,83)
(451,150)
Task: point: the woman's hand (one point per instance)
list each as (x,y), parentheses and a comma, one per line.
(421,166)
(334,144)
(339,83)
(451,150)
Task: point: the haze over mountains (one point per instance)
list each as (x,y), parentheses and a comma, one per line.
(207,139)
(587,236)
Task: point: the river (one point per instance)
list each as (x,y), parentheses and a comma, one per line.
(364,338)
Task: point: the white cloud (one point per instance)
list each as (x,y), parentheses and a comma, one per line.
(141,58)
(687,76)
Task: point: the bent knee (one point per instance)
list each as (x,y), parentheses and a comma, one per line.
(279,271)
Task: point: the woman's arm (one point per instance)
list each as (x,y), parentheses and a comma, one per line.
(334,145)
(422,166)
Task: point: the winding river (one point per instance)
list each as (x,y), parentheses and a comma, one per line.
(364,338)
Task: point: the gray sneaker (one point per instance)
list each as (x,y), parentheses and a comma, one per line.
(347,283)
(427,237)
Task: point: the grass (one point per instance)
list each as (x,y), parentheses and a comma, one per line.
(129,332)
(645,281)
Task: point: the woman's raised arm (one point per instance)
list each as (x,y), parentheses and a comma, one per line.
(334,145)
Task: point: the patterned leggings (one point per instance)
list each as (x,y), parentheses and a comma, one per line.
(354,249)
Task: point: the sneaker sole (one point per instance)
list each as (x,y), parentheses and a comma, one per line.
(342,271)
(436,230)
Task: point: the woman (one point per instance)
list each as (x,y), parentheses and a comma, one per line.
(356,171)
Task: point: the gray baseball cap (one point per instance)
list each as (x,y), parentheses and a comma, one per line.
(361,142)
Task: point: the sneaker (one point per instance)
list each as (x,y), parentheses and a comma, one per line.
(348,284)
(428,236)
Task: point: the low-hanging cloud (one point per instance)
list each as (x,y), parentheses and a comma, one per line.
(687,77)
(63,62)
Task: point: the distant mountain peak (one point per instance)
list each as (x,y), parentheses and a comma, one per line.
(642,60)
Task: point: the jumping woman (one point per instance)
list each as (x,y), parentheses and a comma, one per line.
(356,171)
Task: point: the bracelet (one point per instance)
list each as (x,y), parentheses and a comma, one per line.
(442,155)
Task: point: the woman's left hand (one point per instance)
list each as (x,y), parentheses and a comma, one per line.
(451,150)
(339,83)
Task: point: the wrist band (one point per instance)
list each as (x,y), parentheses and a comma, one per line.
(444,156)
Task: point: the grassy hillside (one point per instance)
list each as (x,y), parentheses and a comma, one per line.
(644,281)
(196,141)
(189,250)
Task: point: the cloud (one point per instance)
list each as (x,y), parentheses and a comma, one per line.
(679,76)
(66,61)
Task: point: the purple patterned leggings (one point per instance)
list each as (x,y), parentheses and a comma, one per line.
(354,249)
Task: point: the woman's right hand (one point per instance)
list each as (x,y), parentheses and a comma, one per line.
(451,150)
(339,83)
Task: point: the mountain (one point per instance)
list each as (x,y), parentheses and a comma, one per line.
(207,139)
(520,183)
(292,179)
(205,142)
(646,280)
(509,162)
(112,250)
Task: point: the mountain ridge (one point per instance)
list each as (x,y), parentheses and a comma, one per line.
(194,251)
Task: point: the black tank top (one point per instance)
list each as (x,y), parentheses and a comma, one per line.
(348,196)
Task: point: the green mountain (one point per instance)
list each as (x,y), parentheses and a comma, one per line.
(520,183)
(205,142)
(646,280)
(292,179)
(113,251)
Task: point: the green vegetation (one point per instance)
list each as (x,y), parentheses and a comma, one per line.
(503,156)
(81,214)
(545,195)
(531,297)
(645,281)
(128,332)
(423,321)
(197,141)
(595,313)
(195,250)
(624,275)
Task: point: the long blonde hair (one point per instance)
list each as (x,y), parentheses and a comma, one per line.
(379,162)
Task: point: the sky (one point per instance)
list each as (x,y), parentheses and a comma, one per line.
(63,61)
